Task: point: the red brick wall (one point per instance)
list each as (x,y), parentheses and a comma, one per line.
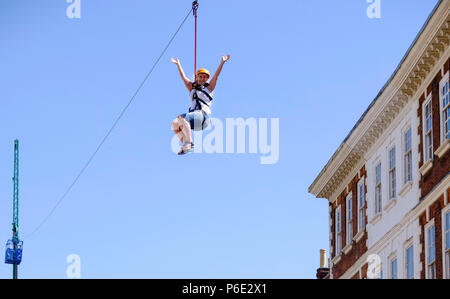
(422,221)
(441,165)
(448,194)
(420,129)
(447,66)
(435,212)
(358,248)
(333,229)
(364,271)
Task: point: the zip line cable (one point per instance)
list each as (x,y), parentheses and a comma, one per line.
(195,9)
(110,130)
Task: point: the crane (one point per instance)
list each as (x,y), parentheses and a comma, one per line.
(14,246)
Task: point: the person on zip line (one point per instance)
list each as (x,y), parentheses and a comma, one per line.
(199,114)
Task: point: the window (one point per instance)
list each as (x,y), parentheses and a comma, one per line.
(407,156)
(378,188)
(410,262)
(447,245)
(349,218)
(445,108)
(392,175)
(394,269)
(361,205)
(431,250)
(338,231)
(427,131)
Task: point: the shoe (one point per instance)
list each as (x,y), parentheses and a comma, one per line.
(185,149)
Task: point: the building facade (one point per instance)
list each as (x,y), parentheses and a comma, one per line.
(388,184)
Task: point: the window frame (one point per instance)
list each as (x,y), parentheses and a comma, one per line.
(361,205)
(444,81)
(338,224)
(392,172)
(407,156)
(391,268)
(430,265)
(378,203)
(427,154)
(349,218)
(409,245)
(446,240)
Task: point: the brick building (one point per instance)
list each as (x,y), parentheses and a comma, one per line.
(388,183)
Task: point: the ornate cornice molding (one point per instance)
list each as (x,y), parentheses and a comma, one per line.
(429,47)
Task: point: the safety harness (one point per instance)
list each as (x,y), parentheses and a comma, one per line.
(200,96)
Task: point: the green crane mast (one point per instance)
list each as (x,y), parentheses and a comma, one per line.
(15,223)
(14,246)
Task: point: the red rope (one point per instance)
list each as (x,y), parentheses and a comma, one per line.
(195,58)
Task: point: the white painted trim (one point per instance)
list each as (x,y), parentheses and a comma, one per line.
(391,203)
(444,212)
(357,272)
(424,151)
(426,167)
(356,266)
(445,78)
(427,226)
(359,235)
(358,195)
(375,219)
(445,198)
(391,258)
(392,146)
(406,245)
(338,229)
(443,148)
(347,213)
(405,189)
(347,248)
(336,259)
(377,162)
(338,190)
(404,130)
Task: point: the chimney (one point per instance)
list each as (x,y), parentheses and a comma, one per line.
(323,271)
(323,258)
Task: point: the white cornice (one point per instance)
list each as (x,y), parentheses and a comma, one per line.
(430,46)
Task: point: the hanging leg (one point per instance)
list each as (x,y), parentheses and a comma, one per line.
(177,129)
(185,130)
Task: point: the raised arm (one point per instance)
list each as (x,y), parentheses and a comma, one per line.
(185,79)
(213,82)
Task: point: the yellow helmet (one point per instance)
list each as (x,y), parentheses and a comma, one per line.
(203,71)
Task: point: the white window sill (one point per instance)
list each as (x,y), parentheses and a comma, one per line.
(390,204)
(375,219)
(426,167)
(359,235)
(405,189)
(347,248)
(445,146)
(336,259)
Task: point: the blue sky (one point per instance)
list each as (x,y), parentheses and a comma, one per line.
(139,210)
